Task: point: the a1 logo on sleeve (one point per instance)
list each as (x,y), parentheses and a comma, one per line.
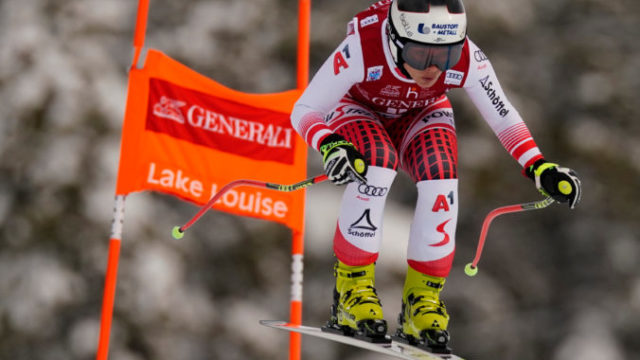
(340,60)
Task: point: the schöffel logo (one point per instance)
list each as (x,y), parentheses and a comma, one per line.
(494,96)
(363,227)
(218,123)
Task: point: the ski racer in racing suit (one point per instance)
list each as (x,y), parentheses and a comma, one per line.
(379,104)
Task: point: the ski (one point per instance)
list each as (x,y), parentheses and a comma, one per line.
(392,347)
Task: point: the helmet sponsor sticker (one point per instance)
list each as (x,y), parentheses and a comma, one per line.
(442,29)
(406,24)
(423,29)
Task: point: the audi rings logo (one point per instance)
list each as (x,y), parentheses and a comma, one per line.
(480,56)
(372,190)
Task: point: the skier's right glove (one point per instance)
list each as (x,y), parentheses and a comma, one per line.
(343,163)
(561,183)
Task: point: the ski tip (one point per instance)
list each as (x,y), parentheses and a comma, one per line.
(273,323)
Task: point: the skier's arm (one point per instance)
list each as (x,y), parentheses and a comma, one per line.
(485,92)
(342,69)
(343,163)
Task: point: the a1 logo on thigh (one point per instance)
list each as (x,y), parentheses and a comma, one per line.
(442,202)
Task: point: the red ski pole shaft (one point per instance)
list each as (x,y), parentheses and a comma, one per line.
(472,268)
(178,231)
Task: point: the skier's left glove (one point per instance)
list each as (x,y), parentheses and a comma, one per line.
(343,163)
(561,183)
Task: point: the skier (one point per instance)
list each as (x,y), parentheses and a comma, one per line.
(379,104)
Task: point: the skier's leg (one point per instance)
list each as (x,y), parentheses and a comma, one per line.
(359,230)
(430,158)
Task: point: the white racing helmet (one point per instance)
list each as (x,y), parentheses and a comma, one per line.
(426,32)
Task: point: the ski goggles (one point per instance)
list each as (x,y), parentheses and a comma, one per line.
(421,56)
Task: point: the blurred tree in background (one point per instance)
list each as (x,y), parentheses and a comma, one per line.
(554,284)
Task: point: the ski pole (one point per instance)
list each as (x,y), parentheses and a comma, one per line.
(471,269)
(178,231)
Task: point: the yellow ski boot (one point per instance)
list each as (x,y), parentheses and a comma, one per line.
(356,309)
(423,320)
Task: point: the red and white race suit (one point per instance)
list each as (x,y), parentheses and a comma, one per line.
(360,94)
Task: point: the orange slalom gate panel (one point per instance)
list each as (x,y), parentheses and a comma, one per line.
(186,135)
